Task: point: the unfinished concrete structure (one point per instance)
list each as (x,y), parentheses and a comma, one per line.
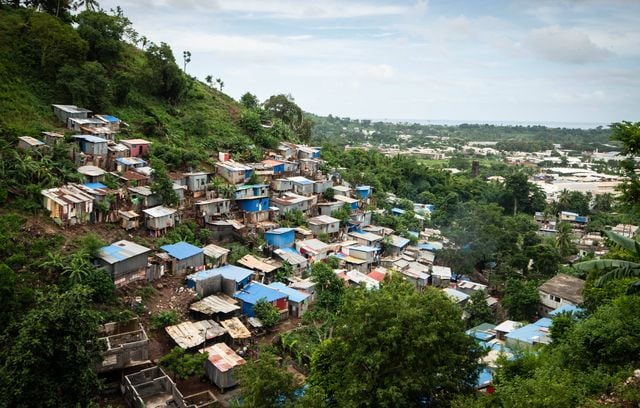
(152,388)
(127,345)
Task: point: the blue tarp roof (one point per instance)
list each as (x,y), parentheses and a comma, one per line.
(233,272)
(294,295)
(95,186)
(485,378)
(256,291)
(91,138)
(532,331)
(566,309)
(181,250)
(427,247)
(110,118)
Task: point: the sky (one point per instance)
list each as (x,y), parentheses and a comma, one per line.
(490,60)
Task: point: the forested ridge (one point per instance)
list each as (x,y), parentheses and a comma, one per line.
(394,347)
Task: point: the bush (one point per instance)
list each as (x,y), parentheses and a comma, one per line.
(163,319)
(267,313)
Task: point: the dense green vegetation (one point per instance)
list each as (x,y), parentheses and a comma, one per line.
(392,347)
(525,138)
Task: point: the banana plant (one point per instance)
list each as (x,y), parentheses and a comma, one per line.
(612,269)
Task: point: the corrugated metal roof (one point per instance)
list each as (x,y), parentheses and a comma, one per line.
(215,304)
(223,358)
(121,250)
(236,329)
(367,236)
(322,220)
(93,171)
(300,180)
(214,251)
(192,334)
(293,294)
(259,264)
(181,250)
(91,138)
(135,141)
(256,291)
(32,141)
(130,161)
(159,211)
(232,272)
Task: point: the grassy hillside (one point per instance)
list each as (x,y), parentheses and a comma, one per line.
(44,60)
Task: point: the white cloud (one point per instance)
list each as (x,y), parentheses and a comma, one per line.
(569,46)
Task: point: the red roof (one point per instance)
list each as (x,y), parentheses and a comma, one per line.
(377,275)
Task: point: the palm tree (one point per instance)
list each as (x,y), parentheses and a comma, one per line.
(78,267)
(564,239)
(616,268)
(88,5)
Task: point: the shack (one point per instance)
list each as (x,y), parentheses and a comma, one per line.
(227,279)
(125,261)
(217,307)
(263,268)
(129,219)
(159,219)
(298,301)
(324,224)
(213,209)
(142,197)
(30,143)
(302,185)
(127,345)
(92,174)
(366,238)
(68,205)
(137,147)
(64,112)
(280,237)
(233,172)
(253,292)
(238,332)
(221,365)
(440,275)
(184,257)
(197,181)
(189,335)
(561,290)
(215,256)
(294,258)
(92,145)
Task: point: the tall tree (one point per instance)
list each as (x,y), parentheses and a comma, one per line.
(477,310)
(395,347)
(521,299)
(49,359)
(162,184)
(265,383)
(564,239)
(628,133)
